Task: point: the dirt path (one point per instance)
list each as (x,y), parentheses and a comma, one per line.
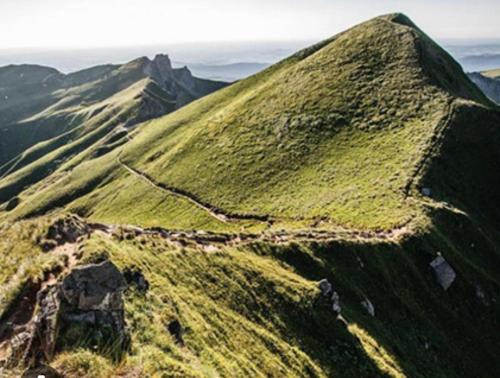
(213,211)
(213,241)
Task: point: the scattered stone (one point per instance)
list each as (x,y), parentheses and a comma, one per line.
(325,287)
(336,303)
(175,329)
(443,272)
(361,263)
(367,304)
(327,290)
(134,276)
(481,295)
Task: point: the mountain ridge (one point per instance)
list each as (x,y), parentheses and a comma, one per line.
(333,215)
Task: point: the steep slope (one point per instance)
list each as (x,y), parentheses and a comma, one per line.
(489,82)
(360,160)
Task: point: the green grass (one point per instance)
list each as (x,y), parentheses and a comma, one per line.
(256,310)
(21,259)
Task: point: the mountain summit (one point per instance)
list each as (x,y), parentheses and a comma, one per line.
(336,214)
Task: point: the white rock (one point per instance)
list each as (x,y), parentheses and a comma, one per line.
(336,302)
(367,304)
(444,273)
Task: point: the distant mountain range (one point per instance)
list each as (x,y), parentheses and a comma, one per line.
(43,111)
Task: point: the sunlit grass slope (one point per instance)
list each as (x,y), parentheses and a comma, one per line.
(256,310)
(345,133)
(335,132)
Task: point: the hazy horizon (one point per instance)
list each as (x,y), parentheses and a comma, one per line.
(473,54)
(119,23)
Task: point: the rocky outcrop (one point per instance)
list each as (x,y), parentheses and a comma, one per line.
(160,70)
(87,305)
(65,230)
(179,85)
(489,86)
(94,287)
(92,298)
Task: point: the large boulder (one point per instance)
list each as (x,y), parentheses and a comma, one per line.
(93,310)
(95,287)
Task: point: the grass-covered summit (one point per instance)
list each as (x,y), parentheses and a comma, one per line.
(338,134)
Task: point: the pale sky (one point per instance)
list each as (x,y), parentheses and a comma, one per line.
(102,23)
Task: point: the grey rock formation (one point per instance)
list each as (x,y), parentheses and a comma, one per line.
(179,85)
(95,287)
(489,86)
(443,272)
(160,70)
(90,295)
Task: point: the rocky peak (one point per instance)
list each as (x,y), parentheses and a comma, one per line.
(160,70)
(184,76)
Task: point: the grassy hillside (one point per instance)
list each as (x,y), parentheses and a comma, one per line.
(360,160)
(44,110)
(333,136)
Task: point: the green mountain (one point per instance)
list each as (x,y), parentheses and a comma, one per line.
(45,112)
(334,215)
